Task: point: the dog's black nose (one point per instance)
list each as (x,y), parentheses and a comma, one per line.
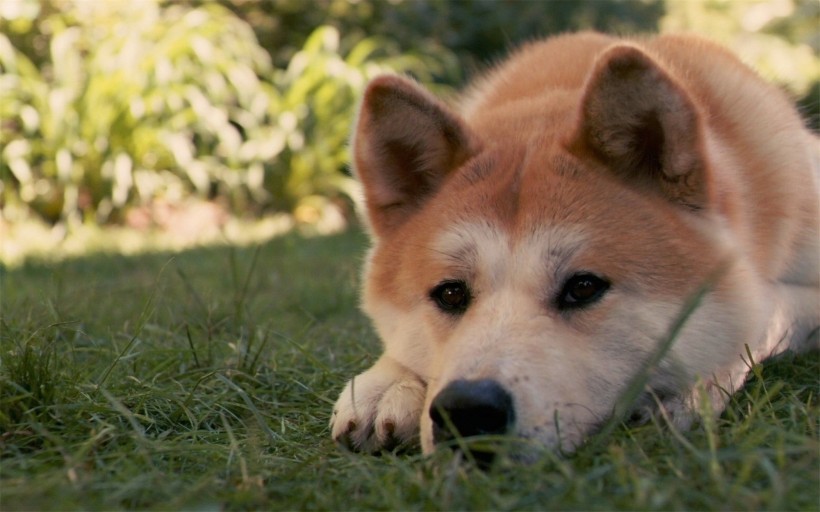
(471,408)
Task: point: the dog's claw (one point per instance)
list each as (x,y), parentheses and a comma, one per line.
(380,410)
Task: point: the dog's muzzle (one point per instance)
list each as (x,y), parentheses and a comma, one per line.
(468,408)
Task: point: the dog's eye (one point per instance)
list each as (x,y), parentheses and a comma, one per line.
(451,296)
(581,290)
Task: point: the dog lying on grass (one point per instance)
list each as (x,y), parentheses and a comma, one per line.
(596,212)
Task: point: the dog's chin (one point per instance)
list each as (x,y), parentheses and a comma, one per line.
(528,447)
(653,404)
(486,452)
(515,448)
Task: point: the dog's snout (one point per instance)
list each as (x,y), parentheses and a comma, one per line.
(471,408)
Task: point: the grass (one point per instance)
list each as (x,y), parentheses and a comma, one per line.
(205,379)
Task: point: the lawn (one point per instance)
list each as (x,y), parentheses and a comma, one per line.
(205,379)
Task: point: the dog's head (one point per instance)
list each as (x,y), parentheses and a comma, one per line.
(529,259)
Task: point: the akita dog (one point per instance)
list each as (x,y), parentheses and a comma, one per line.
(597,209)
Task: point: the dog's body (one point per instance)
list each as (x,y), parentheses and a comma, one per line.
(532,252)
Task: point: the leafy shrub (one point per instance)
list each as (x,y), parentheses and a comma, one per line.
(138,102)
(320,90)
(478,32)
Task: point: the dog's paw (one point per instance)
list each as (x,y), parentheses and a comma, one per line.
(686,409)
(379,409)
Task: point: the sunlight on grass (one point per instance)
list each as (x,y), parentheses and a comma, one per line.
(33,239)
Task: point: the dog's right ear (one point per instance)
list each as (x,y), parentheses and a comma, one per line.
(405,145)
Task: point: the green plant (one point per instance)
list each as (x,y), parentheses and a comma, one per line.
(320,90)
(778,39)
(138,102)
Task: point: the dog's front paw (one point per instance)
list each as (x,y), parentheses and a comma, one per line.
(379,409)
(685,409)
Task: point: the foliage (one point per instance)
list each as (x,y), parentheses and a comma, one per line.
(320,90)
(205,381)
(135,102)
(106,106)
(477,32)
(778,38)
(128,90)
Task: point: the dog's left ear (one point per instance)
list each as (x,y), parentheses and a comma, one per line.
(643,126)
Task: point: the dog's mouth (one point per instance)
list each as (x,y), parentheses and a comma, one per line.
(475,420)
(648,405)
(644,408)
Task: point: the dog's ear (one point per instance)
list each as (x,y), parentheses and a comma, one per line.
(405,144)
(642,125)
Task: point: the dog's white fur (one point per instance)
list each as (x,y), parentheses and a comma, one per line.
(663,164)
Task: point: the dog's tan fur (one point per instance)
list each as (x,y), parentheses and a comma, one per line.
(663,164)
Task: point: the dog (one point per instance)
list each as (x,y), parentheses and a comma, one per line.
(596,211)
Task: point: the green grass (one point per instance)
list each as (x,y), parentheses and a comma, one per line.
(204,380)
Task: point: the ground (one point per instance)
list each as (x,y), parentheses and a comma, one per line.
(205,379)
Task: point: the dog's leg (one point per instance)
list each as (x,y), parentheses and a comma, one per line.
(800,306)
(793,325)
(379,409)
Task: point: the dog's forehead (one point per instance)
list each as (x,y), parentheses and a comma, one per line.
(514,208)
(525,185)
(488,247)
(540,215)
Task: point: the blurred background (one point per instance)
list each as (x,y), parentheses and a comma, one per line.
(124,121)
